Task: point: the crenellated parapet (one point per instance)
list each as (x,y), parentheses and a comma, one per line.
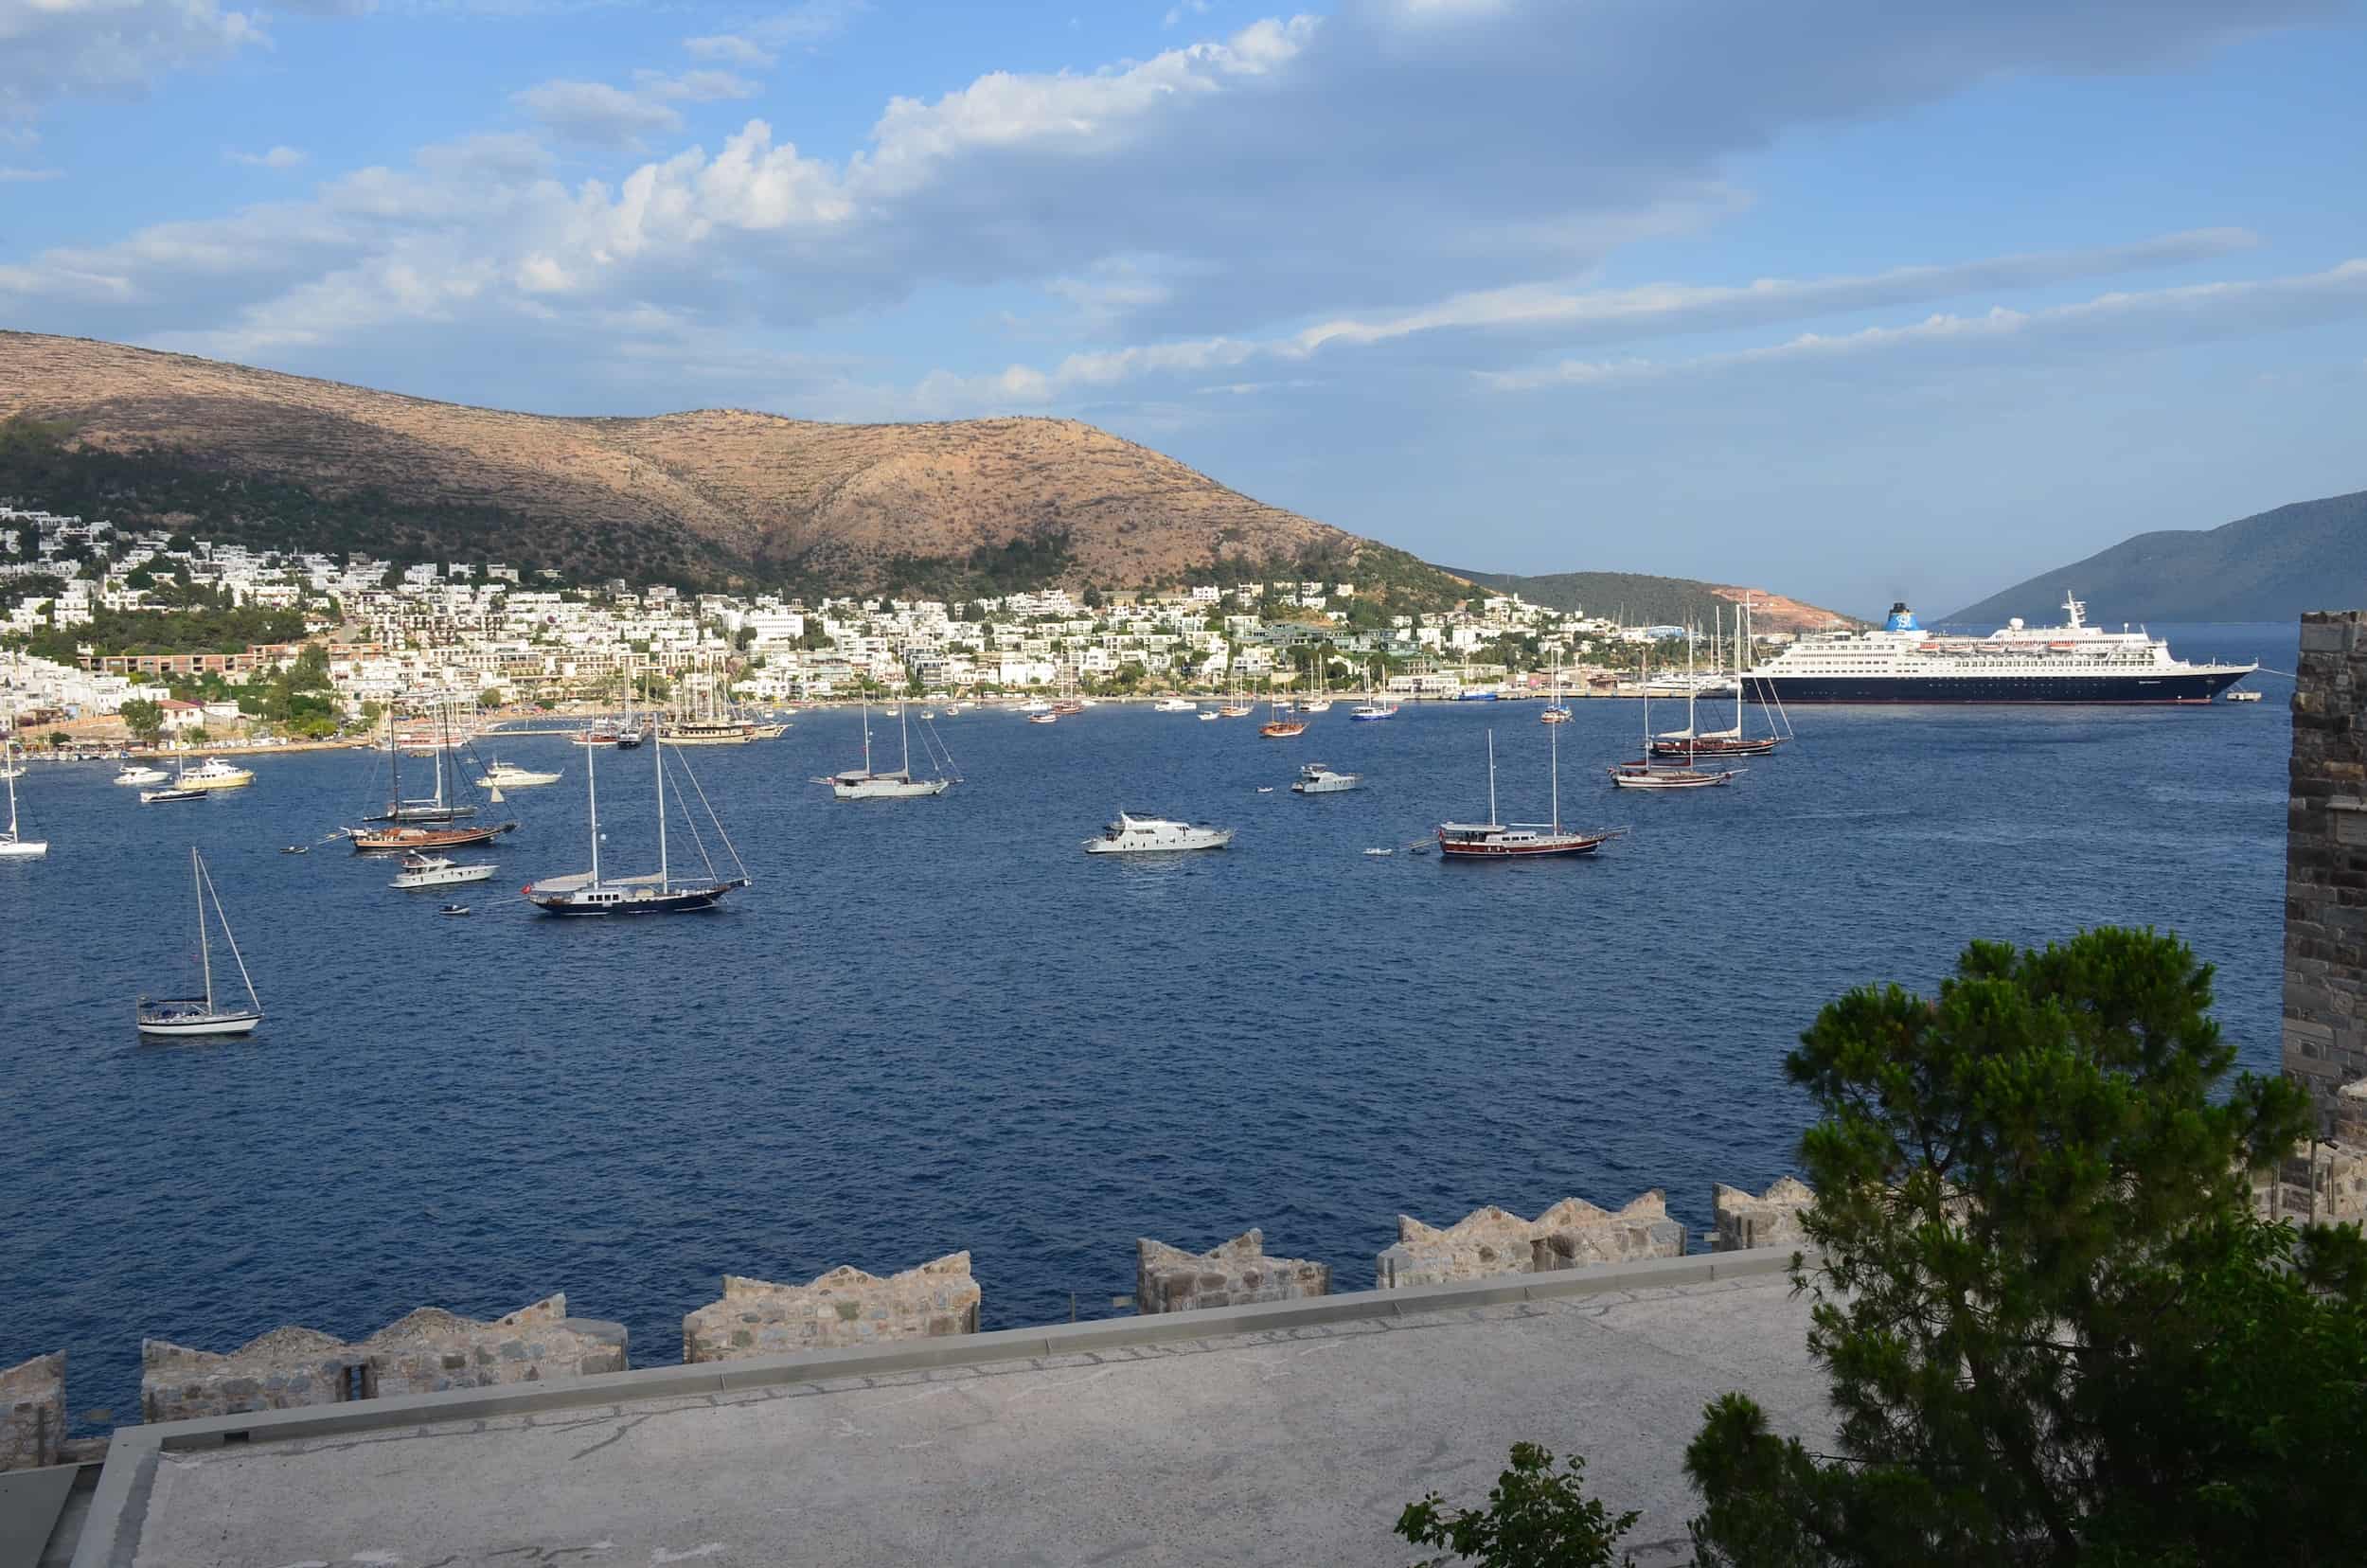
(1233,1273)
(424,1351)
(1572,1234)
(839,1309)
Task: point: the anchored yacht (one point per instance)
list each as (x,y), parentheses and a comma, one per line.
(1137,835)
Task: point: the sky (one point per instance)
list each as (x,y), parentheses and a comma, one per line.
(1854,301)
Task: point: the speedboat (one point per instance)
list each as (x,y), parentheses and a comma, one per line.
(1314,779)
(161,798)
(134,773)
(296,849)
(1210,717)
(1047,717)
(1175,704)
(454,909)
(1134,835)
(436,871)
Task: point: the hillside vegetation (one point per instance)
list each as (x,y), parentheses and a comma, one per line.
(2311,555)
(714,497)
(1638,599)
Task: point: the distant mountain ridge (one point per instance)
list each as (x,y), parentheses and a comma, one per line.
(712,497)
(1641,599)
(2311,555)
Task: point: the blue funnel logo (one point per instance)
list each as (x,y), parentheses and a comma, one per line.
(1902,619)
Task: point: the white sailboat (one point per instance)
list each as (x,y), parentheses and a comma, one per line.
(13,844)
(203,1015)
(864,784)
(662,893)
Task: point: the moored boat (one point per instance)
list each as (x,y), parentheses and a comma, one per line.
(1314,779)
(1497,840)
(1145,835)
(589,893)
(436,871)
(193,1016)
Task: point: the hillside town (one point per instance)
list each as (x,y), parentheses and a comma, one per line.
(75,595)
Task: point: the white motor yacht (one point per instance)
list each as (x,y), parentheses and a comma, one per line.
(214,773)
(1175,704)
(1314,779)
(134,773)
(1134,835)
(436,871)
(508,775)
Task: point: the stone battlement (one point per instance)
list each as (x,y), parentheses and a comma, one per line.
(838,1310)
(1233,1273)
(1492,1240)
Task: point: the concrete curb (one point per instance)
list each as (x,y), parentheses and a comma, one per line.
(111,1536)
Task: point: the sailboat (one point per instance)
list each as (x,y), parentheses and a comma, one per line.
(1372,707)
(1557,712)
(13,844)
(206,1014)
(1641,775)
(1280,725)
(415,827)
(1321,701)
(864,784)
(662,893)
(427,809)
(1725,742)
(1234,706)
(1494,840)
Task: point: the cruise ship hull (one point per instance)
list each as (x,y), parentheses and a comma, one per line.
(2197,686)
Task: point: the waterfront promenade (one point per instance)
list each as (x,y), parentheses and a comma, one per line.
(1287,1434)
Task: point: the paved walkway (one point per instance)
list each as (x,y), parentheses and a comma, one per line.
(1294,1446)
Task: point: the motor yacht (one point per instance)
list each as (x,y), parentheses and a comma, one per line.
(1141,835)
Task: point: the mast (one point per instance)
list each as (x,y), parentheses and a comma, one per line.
(394,768)
(592,792)
(866,735)
(1552,751)
(657,756)
(1692,692)
(204,952)
(1491,778)
(6,767)
(903,725)
(440,752)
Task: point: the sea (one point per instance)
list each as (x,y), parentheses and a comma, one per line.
(936,1025)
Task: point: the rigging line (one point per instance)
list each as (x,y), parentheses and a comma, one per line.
(719,831)
(688,821)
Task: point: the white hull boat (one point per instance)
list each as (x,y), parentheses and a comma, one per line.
(174,1017)
(13,846)
(898,784)
(505,775)
(1134,835)
(1314,779)
(421,871)
(135,775)
(1175,704)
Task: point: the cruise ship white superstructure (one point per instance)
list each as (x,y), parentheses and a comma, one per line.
(1904,663)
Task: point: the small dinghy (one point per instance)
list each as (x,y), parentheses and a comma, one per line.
(454,909)
(296,850)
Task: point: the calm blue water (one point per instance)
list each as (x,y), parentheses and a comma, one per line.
(936,1025)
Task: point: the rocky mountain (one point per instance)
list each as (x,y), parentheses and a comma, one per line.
(2311,555)
(715,496)
(1642,600)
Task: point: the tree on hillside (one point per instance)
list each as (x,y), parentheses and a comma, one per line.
(58,740)
(2056,1332)
(144,719)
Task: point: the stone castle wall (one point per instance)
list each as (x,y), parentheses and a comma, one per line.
(1491,1240)
(1235,1273)
(2326,863)
(32,1412)
(841,1309)
(425,1351)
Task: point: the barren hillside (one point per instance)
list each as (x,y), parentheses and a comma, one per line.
(717,493)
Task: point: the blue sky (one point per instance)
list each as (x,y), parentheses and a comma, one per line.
(1850,300)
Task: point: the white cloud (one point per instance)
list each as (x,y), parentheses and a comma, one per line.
(56,49)
(695,87)
(29,176)
(729,50)
(596,112)
(2118,322)
(278,157)
(1183,8)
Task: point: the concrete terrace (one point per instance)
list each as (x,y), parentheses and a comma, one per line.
(1291,1432)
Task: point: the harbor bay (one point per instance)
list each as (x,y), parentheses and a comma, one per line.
(934,1025)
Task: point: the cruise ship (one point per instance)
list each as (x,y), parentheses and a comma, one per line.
(1904,663)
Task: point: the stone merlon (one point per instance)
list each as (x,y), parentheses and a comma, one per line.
(32,1412)
(1235,1273)
(1770,1219)
(1572,1234)
(842,1308)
